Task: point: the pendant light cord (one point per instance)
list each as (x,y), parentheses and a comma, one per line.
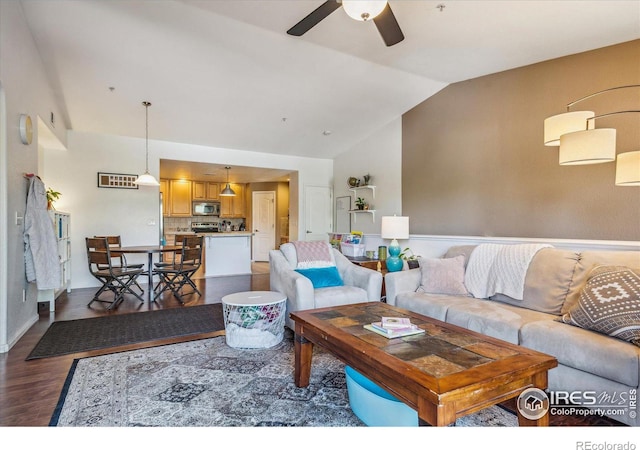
(146,139)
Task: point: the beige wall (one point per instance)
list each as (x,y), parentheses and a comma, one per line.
(474,163)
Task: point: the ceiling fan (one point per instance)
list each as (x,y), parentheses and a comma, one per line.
(378,11)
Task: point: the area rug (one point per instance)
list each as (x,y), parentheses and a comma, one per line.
(206,383)
(73,336)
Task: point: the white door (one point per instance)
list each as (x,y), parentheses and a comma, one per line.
(318,213)
(264,224)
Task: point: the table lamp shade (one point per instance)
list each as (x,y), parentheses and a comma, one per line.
(394,227)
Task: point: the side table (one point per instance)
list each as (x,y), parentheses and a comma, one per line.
(254,319)
(373,265)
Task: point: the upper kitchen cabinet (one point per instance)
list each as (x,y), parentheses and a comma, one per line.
(179,201)
(164,189)
(206,190)
(233,207)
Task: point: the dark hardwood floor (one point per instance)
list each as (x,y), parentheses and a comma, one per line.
(29,390)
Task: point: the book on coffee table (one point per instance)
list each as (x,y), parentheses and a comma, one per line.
(396,322)
(377,327)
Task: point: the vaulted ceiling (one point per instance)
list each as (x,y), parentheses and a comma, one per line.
(225,73)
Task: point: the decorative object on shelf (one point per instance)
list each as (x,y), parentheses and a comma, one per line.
(411,259)
(361,203)
(26,129)
(394,228)
(146,179)
(117,180)
(382,252)
(353,181)
(366,179)
(52,196)
(227,191)
(581,143)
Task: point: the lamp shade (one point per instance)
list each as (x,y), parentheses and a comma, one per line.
(588,147)
(395,227)
(556,126)
(363,10)
(628,169)
(227,191)
(146,179)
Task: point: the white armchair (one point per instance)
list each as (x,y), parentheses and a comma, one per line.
(360,284)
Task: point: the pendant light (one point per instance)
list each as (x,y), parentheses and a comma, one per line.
(227,191)
(146,179)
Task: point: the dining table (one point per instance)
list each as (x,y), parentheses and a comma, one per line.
(150,250)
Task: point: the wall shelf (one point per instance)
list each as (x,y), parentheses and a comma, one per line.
(355,213)
(360,188)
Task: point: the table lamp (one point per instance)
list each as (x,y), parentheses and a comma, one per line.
(394,228)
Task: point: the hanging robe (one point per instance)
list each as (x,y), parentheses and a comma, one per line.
(41,248)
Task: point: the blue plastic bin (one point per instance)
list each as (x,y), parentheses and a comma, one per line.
(375,406)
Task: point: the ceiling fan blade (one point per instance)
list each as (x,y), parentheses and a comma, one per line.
(388,27)
(314,18)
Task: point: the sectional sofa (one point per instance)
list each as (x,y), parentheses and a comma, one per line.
(560,295)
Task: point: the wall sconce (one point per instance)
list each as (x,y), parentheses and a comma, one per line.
(581,143)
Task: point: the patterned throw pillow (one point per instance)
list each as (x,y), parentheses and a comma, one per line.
(442,276)
(609,303)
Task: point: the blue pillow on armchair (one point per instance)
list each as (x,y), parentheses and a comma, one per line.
(322,276)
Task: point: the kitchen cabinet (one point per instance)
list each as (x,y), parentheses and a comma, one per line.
(164,188)
(205,190)
(233,207)
(179,203)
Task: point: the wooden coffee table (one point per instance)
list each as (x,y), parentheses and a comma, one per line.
(445,373)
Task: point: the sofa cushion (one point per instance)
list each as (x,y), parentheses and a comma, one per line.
(492,318)
(339,295)
(609,304)
(442,276)
(322,276)
(464,250)
(590,259)
(584,350)
(431,305)
(289,251)
(547,283)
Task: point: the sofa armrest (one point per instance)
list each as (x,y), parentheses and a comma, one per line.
(401,281)
(354,275)
(297,287)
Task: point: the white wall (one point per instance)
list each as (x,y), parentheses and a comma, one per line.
(26,91)
(380,155)
(134,214)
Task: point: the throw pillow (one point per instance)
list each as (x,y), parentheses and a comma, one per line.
(609,303)
(322,276)
(442,276)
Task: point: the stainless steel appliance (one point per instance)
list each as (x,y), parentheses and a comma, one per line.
(205,227)
(205,208)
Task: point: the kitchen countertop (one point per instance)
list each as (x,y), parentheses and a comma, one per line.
(227,234)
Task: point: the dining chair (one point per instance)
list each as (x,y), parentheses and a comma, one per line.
(116,278)
(114,243)
(175,276)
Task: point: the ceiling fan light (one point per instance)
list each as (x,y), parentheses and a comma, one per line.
(363,10)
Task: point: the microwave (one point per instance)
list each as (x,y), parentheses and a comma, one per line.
(205,209)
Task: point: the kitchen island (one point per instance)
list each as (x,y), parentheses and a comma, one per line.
(227,253)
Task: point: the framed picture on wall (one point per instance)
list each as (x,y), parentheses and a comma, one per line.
(117,180)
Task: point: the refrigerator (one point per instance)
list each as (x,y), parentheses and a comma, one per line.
(161,239)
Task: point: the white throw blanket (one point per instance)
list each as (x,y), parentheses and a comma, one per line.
(499,268)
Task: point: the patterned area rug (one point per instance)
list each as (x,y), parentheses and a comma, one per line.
(206,383)
(73,336)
